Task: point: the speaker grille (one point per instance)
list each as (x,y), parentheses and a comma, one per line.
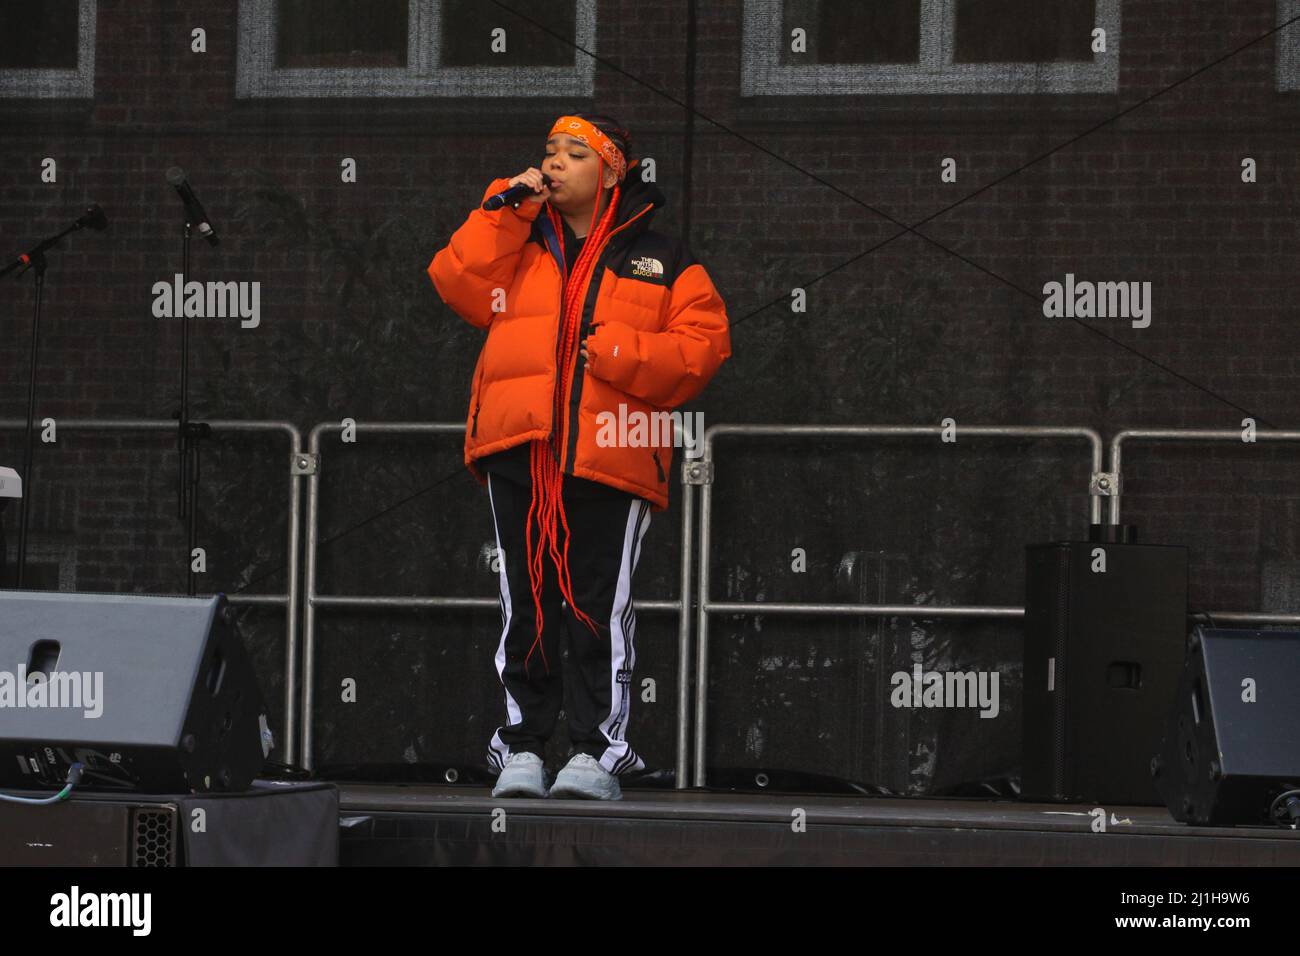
(152,832)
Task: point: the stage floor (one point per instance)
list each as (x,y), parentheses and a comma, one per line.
(395,825)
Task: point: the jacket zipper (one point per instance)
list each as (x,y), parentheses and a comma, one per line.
(658,467)
(573,414)
(569,381)
(478,402)
(555,348)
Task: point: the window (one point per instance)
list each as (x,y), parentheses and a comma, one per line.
(47,49)
(1288,46)
(467,24)
(330,33)
(929,46)
(886,31)
(1024,31)
(412,48)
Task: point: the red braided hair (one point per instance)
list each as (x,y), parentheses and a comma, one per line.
(548,502)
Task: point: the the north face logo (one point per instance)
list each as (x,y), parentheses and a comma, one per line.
(647,266)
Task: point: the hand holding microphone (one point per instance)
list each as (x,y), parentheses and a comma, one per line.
(531,181)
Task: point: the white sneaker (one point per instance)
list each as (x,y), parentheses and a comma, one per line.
(583,778)
(523,776)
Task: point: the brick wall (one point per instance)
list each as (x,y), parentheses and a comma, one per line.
(910,333)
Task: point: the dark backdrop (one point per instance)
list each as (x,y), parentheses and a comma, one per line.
(1146,186)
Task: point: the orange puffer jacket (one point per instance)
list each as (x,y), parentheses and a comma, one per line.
(659,333)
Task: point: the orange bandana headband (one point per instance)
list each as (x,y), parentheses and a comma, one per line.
(580,129)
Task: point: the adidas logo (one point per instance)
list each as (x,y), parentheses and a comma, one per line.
(647,266)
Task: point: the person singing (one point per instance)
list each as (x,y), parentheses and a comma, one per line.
(586,310)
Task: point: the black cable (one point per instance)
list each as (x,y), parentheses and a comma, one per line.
(74,778)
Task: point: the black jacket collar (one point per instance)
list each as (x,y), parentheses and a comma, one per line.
(636,194)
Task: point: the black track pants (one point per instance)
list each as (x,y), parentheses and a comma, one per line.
(594,685)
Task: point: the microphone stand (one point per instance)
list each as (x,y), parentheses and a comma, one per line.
(35,259)
(188,433)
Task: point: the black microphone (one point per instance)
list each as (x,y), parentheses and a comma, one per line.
(514,195)
(94,218)
(193,208)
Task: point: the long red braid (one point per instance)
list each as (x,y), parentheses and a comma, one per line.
(547,479)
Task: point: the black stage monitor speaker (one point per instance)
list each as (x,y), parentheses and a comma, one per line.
(1105,631)
(151,694)
(273,823)
(1232,741)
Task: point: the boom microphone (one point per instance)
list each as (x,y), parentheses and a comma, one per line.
(514,195)
(93,218)
(193,208)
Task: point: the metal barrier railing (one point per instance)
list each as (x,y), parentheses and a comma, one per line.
(1194,435)
(703,475)
(299,698)
(288,600)
(314,600)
